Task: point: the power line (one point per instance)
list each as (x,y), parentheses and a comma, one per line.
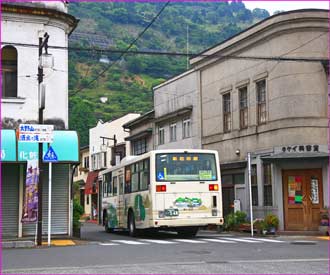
(126,50)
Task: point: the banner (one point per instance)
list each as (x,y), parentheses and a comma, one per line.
(30,204)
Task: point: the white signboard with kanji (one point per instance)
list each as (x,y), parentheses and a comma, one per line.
(35,133)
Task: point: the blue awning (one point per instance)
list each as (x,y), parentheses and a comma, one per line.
(65,145)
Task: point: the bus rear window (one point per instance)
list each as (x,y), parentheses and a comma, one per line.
(186,167)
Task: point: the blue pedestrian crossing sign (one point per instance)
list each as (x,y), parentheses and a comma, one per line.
(50,155)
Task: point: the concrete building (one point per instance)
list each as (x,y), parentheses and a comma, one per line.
(269,97)
(177,112)
(22,24)
(141,132)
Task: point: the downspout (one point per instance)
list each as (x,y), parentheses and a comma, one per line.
(74,166)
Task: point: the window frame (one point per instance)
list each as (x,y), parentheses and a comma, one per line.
(173,132)
(243,107)
(161,135)
(267,184)
(186,128)
(9,73)
(226,112)
(261,94)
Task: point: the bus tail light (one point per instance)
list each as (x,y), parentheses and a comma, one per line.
(213,187)
(160,188)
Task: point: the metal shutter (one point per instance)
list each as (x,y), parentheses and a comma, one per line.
(9,199)
(60,202)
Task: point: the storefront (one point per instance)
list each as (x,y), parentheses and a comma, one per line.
(14,157)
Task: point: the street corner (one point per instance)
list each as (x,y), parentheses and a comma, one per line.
(60,243)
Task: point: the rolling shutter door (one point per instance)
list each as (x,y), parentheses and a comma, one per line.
(60,202)
(9,199)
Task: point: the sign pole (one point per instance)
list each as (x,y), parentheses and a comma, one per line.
(250,193)
(49,201)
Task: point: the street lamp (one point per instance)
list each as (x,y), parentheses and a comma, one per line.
(45,61)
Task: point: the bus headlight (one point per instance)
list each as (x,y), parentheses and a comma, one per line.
(214,212)
(161,214)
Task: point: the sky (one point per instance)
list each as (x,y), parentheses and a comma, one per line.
(272,6)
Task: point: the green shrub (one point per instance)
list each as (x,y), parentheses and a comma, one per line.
(78,210)
(233,220)
(271,220)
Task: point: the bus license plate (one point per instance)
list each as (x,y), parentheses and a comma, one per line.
(171,212)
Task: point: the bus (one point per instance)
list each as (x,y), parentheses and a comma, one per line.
(176,190)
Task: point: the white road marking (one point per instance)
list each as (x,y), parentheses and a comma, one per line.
(128,242)
(266,240)
(217,241)
(187,241)
(106,244)
(157,241)
(240,240)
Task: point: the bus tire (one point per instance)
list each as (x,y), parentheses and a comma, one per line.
(106,225)
(131,225)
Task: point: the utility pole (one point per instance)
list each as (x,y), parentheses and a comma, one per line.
(43,43)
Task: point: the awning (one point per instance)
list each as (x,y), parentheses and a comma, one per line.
(65,145)
(91,182)
(295,156)
(233,165)
(139,135)
(178,113)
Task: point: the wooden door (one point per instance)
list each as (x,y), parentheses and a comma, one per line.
(303,198)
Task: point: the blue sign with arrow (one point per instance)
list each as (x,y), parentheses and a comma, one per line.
(50,155)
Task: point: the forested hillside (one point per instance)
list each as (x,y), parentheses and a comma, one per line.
(126,86)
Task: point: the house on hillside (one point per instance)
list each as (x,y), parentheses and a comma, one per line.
(23,25)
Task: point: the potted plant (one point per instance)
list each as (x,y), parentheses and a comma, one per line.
(260,226)
(324,220)
(77,212)
(271,223)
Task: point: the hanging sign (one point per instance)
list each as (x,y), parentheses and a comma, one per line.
(35,133)
(30,204)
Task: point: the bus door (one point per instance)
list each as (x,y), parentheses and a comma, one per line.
(121,202)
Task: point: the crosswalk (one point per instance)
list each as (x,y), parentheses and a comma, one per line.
(202,240)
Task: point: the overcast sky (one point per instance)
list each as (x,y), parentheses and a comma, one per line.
(272,6)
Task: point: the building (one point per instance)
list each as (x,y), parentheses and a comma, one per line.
(269,98)
(22,25)
(80,177)
(141,132)
(107,146)
(177,112)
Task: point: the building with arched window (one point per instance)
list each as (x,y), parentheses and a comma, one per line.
(22,26)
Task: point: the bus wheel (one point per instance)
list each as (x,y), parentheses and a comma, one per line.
(106,225)
(131,225)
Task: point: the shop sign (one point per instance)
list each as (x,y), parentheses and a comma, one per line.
(300,148)
(36,133)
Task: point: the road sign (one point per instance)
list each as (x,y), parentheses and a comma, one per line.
(35,133)
(50,156)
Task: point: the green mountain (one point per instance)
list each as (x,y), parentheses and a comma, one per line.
(126,86)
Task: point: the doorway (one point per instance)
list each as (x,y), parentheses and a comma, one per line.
(303,198)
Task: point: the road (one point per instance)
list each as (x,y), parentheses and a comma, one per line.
(106,253)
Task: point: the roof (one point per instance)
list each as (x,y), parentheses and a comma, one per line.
(147,116)
(180,112)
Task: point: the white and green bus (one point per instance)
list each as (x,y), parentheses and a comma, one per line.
(177,190)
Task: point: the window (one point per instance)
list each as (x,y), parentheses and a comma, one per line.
(261,101)
(243,107)
(161,135)
(137,176)
(186,128)
(9,71)
(226,112)
(254,185)
(268,197)
(139,147)
(86,162)
(173,132)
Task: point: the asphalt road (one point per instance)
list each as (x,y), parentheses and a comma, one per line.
(106,253)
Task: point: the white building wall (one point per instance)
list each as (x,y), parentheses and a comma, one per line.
(25,31)
(108,129)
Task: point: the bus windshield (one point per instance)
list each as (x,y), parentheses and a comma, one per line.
(186,167)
